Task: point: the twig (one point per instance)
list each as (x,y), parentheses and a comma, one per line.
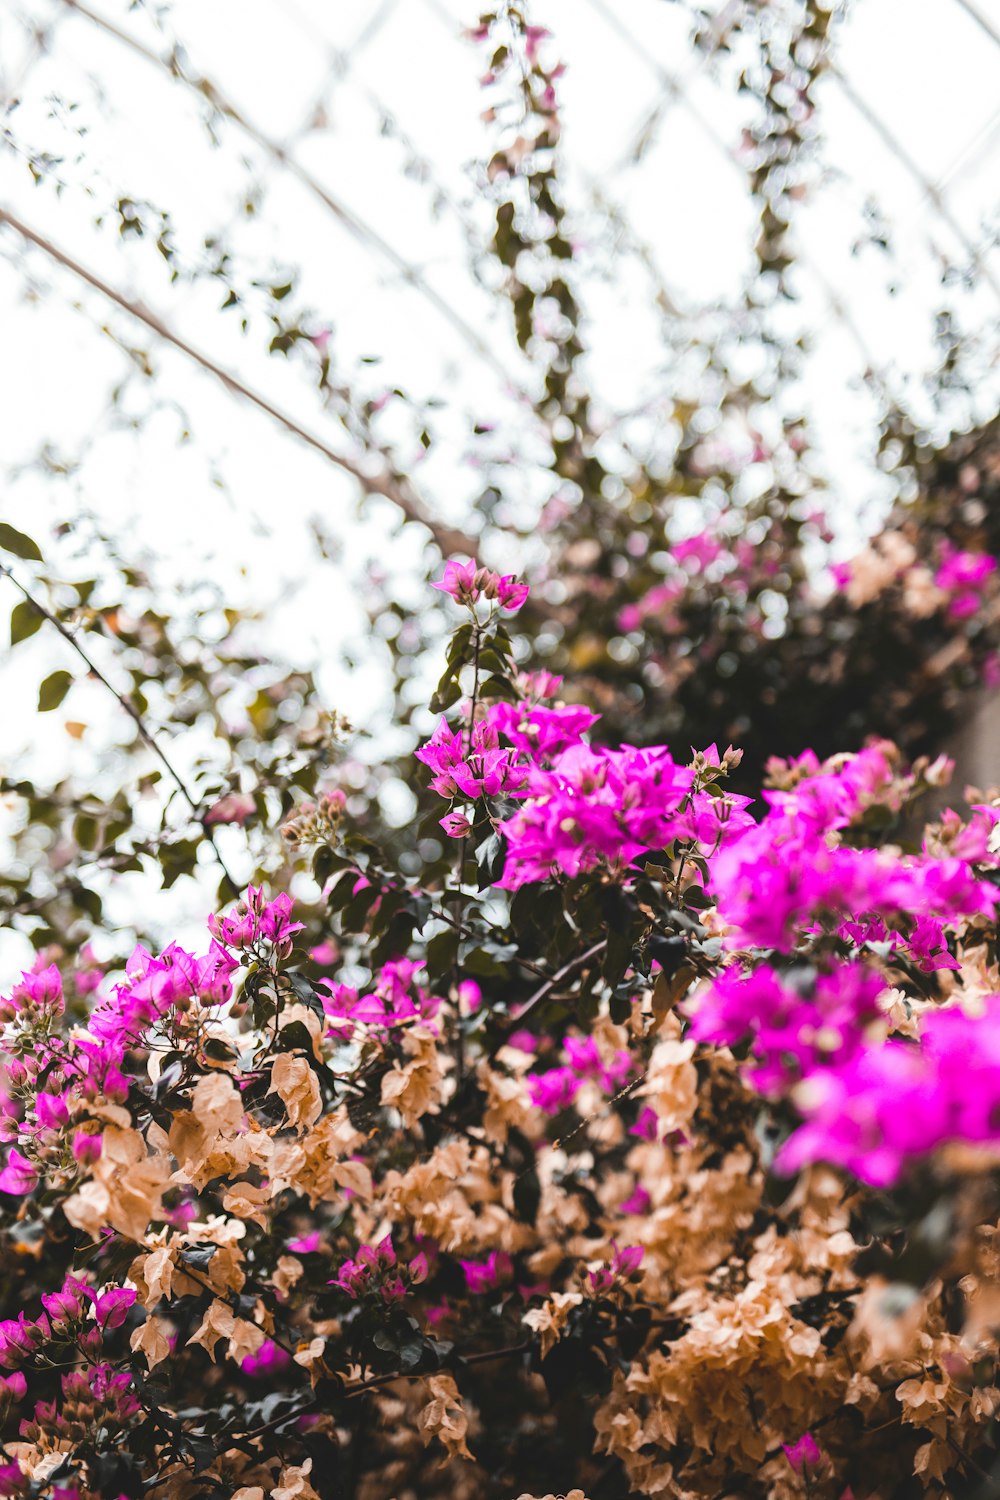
(549,985)
(397,491)
(460,927)
(360,1387)
(485,1357)
(364,233)
(146,735)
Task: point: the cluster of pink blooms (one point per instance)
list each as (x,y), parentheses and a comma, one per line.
(467,583)
(926,944)
(540,732)
(580,805)
(257,920)
(962,576)
(797,1021)
(788,871)
(50,1121)
(396,996)
(869,1104)
(897,1101)
(556,1089)
(593,805)
(47,1081)
(833,798)
(156,987)
(730,563)
(472,765)
(78,1316)
(788,882)
(376,1270)
(37,1119)
(471,762)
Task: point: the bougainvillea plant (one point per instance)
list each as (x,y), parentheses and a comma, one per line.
(619,1135)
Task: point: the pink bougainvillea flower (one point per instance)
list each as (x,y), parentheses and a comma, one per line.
(111,1307)
(470,996)
(18,1176)
(647,1125)
(553,1091)
(460,581)
(325,952)
(483,1276)
(623,1263)
(805,1452)
(305,1244)
(86,1148)
(510,593)
(14,1385)
(234,807)
(418,1268)
(456,825)
(269,1359)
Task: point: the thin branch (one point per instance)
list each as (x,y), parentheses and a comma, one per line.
(363,232)
(931,189)
(446,916)
(976,15)
(486,1356)
(396,490)
(359,1388)
(676,91)
(550,984)
(145,734)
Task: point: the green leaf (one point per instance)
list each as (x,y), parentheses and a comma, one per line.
(620,1008)
(527,1195)
(12,540)
(459,644)
(219,1050)
(491,661)
(53,690)
(305,993)
(449,691)
(490,858)
(89,902)
(25,619)
(441,952)
(85,831)
(294,1037)
(617,956)
(499,687)
(489,963)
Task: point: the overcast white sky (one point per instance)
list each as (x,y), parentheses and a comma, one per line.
(322,77)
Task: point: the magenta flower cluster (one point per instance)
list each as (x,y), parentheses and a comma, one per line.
(50,1080)
(467,583)
(396,996)
(375,1270)
(590,806)
(797,890)
(962,576)
(889,1104)
(556,1089)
